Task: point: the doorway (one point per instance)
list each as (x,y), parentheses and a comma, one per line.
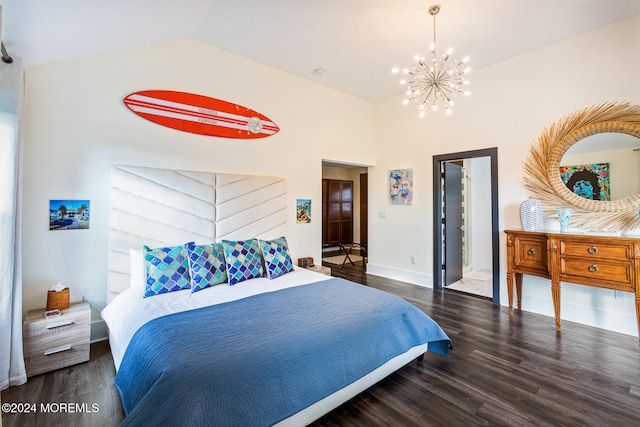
(453,226)
(344,222)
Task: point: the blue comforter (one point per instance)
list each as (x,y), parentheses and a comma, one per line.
(261,359)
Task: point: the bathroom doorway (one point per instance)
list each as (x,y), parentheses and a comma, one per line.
(466,239)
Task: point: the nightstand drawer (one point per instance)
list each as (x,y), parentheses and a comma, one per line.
(73,317)
(56,342)
(58,356)
(39,345)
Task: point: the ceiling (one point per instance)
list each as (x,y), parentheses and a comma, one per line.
(355,42)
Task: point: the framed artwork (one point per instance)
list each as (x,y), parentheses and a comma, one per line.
(401,186)
(303,211)
(588,181)
(69,214)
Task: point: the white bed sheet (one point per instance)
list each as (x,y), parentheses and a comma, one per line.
(130,310)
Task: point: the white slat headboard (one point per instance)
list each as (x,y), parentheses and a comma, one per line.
(157,207)
(250,206)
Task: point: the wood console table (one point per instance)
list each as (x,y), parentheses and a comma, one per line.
(602,261)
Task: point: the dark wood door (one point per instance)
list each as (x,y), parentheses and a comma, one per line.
(364,209)
(337,218)
(453,227)
(325,216)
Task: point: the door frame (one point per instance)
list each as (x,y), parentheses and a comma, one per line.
(492,153)
(364,209)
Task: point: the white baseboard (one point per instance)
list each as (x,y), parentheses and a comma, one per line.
(624,323)
(420,279)
(609,320)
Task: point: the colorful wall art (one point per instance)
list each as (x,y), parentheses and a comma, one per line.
(303,211)
(401,187)
(69,214)
(588,181)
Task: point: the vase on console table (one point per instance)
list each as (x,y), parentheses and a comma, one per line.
(564,215)
(531,215)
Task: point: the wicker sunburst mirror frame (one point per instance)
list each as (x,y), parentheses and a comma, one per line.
(542,168)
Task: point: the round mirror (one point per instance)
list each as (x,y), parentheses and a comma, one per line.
(604,166)
(543,168)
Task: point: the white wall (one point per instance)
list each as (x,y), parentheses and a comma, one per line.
(511,104)
(480,213)
(77,127)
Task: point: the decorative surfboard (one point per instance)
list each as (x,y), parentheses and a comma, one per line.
(200,114)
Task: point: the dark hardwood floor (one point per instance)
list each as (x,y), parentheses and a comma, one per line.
(87,383)
(503,371)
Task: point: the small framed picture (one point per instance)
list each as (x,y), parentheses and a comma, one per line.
(69,214)
(303,211)
(401,186)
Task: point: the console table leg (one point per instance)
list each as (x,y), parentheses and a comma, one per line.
(638,310)
(519,289)
(510,291)
(555,293)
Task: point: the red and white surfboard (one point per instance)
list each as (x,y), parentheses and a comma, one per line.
(200,114)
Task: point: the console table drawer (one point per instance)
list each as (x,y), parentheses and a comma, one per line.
(596,250)
(604,270)
(531,253)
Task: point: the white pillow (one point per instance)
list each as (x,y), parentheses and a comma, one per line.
(137,271)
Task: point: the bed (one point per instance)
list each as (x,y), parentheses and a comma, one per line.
(282,346)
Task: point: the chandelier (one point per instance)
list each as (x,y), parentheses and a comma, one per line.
(432,82)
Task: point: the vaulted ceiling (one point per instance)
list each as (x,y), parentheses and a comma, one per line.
(355,42)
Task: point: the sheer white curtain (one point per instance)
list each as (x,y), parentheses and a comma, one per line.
(12,371)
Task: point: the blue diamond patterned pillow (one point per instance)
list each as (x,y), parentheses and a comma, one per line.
(206,265)
(276,257)
(167,270)
(243,260)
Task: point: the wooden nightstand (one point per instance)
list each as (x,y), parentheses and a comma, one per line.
(56,342)
(320,269)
